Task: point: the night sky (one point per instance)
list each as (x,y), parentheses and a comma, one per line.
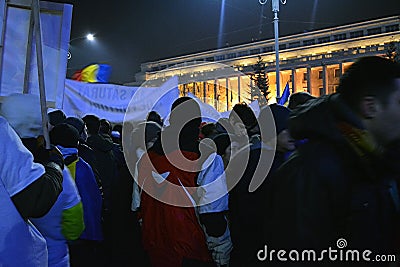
(131,32)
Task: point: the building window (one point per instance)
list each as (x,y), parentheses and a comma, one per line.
(357,34)
(392,28)
(282,46)
(243,53)
(220,57)
(231,55)
(338,37)
(321,91)
(268,49)
(309,42)
(371,48)
(210,59)
(324,40)
(305,76)
(294,44)
(320,74)
(373,31)
(291,78)
(337,73)
(254,51)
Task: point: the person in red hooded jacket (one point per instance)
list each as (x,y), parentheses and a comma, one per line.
(171,233)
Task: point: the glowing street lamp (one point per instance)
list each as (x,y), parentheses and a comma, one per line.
(90,37)
(275,9)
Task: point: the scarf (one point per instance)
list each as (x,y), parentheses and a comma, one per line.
(360,141)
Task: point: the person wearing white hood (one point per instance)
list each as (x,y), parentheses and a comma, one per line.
(61,218)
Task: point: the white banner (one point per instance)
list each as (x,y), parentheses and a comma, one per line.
(159,99)
(208,112)
(255,107)
(111,102)
(55,21)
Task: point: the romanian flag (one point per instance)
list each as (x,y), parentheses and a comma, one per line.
(95,73)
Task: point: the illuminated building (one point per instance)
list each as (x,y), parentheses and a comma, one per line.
(312,62)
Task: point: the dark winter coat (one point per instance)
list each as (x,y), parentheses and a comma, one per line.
(87,154)
(247,209)
(325,191)
(103,146)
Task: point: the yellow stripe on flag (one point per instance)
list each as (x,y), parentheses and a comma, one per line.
(89,74)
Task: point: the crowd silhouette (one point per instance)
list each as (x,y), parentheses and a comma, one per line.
(191,193)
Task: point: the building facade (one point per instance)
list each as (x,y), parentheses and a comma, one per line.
(311,62)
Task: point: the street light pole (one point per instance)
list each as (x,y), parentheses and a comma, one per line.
(275,10)
(90,37)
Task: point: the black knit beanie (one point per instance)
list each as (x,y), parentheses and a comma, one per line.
(64,135)
(56,117)
(281,117)
(78,123)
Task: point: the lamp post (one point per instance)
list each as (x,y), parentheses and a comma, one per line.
(90,37)
(275,9)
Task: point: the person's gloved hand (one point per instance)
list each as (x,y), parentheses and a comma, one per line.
(53,154)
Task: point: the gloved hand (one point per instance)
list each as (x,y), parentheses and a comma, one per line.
(53,154)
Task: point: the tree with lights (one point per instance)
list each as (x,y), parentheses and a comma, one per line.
(392,52)
(260,86)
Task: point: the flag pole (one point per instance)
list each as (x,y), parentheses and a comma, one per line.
(275,9)
(39,56)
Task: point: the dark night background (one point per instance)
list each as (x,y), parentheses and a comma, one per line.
(131,32)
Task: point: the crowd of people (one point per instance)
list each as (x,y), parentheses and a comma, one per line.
(228,193)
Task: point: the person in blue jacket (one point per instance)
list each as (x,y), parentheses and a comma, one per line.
(28,189)
(85,250)
(64,221)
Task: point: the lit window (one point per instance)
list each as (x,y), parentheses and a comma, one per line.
(320,74)
(337,73)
